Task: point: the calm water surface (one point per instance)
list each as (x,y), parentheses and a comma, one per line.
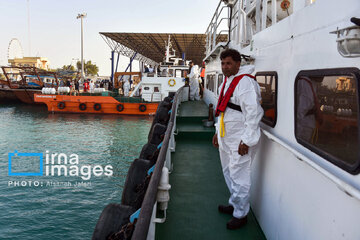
(63,212)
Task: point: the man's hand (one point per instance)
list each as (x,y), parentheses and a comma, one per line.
(243,149)
(215,141)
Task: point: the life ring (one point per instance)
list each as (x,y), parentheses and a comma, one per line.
(172,82)
(61,105)
(97,106)
(285,4)
(120,107)
(82,106)
(142,108)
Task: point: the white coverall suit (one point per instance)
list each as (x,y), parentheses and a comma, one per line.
(126,87)
(240,127)
(194,77)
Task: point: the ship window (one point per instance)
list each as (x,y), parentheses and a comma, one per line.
(327,115)
(210,82)
(156,89)
(268,87)
(178,73)
(171,72)
(220,80)
(184,73)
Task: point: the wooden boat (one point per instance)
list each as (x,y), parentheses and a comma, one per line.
(24,83)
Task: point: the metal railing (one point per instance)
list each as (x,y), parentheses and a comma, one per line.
(144,220)
(213,32)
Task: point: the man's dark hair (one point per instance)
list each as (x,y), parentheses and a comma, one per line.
(234,54)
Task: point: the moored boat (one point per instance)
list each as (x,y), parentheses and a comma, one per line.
(151,87)
(24,82)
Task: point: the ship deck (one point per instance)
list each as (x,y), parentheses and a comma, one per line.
(198,186)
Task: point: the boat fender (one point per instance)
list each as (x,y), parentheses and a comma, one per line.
(165,104)
(157,134)
(61,105)
(112,219)
(147,151)
(142,108)
(167,99)
(119,107)
(161,116)
(135,180)
(82,106)
(97,106)
(154,157)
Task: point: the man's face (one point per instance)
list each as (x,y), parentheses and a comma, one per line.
(229,67)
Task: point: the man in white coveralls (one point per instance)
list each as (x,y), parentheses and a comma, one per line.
(237,133)
(194,77)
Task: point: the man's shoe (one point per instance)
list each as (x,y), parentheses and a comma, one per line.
(226,209)
(235,223)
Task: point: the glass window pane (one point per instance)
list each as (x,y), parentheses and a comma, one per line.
(178,73)
(267,83)
(327,115)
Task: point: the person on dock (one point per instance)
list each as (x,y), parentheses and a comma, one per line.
(237,133)
(194,82)
(92,86)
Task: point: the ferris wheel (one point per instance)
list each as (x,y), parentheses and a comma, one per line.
(15,49)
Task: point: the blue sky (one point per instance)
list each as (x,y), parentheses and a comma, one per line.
(55,31)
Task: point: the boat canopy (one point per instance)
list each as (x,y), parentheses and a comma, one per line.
(149,47)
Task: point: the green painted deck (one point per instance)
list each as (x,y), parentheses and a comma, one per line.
(198,186)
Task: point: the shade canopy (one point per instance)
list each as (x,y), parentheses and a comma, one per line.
(150,47)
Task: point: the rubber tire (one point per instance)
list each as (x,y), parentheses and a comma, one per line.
(147,151)
(142,108)
(136,175)
(162,116)
(97,106)
(82,106)
(61,105)
(111,220)
(120,107)
(157,133)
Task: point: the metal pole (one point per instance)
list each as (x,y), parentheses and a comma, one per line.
(82,15)
(82,50)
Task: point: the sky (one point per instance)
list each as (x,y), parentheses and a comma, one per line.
(55,31)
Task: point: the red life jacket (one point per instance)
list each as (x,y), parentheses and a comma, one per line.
(224,100)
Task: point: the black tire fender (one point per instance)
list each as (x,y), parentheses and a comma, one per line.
(120,107)
(136,175)
(97,106)
(82,106)
(61,105)
(142,108)
(112,218)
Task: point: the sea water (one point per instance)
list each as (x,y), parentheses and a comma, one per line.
(55,206)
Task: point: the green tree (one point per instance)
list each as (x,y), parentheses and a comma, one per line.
(89,68)
(68,67)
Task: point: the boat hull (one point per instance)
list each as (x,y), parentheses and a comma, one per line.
(8,96)
(26,95)
(94,104)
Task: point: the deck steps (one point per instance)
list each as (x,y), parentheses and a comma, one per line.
(189,122)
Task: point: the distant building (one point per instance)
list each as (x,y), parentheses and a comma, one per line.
(38,62)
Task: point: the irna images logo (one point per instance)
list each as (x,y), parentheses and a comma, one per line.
(56,164)
(32,164)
